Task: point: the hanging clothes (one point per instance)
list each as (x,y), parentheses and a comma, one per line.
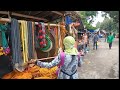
(24,38)
(36,41)
(16,45)
(3,29)
(30,40)
(0,38)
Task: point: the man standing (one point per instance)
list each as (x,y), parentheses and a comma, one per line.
(85,39)
(110,39)
(95,40)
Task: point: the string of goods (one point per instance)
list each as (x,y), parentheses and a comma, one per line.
(44,39)
(4,48)
(24,39)
(41,35)
(15,39)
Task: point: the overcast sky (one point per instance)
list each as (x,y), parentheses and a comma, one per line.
(98,18)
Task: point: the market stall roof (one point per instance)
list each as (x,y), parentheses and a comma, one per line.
(46,16)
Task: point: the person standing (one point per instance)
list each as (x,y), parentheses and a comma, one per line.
(69,69)
(105,37)
(95,40)
(110,39)
(85,39)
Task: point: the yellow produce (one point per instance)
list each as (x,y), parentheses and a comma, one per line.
(9,75)
(43,78)
(22,75)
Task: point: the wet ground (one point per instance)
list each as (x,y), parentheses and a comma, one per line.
(102,63)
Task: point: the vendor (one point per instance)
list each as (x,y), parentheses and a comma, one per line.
(69,68)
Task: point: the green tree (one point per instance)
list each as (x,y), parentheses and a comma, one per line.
(109,25)
(114,15)
(98,24)
(88,16)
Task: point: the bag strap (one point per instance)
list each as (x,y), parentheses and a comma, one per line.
(62,58)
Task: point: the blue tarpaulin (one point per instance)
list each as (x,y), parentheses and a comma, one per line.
(92,31)
(68,20)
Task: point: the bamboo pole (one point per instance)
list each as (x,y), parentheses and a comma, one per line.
(8,20)
(22,15)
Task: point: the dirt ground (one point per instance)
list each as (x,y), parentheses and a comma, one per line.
(102,63)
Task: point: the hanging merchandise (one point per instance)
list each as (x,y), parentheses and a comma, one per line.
(43,31)
(68,20)
(30,40)
(15,39)
(41,35)
(1,51)
(44,40)
(73,31)
(48,46)
(56,40)
(0,39)
(4,41)
(24,38)
(63,32)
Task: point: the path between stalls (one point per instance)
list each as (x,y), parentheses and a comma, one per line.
(102,63)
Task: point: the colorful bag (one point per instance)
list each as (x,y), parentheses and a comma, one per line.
(62,57)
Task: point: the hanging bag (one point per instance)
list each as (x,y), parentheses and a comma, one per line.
(62,57)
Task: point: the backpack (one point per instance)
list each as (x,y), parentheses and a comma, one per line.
(62,57)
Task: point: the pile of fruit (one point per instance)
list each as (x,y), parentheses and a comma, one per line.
(34,72)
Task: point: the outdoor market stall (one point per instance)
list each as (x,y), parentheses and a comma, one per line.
(29,36)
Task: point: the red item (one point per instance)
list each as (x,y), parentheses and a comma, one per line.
(41,43)
(40,31)
(41,37)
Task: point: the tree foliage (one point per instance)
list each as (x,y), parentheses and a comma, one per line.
(88,16)
(98,24)
(114,15)
(109,25)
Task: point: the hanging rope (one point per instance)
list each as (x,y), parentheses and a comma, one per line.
(24,37)
(15,39)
